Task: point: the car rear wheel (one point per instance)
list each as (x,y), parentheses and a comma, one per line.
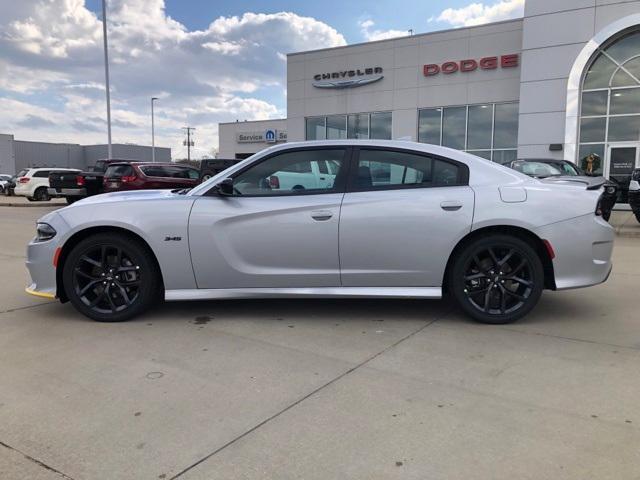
(497,279)
(41,195)
(111,278)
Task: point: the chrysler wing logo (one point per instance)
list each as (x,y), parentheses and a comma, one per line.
(357,82)
(348,78)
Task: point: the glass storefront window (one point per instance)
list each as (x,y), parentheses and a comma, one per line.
(593,129)
(429,121)
(591,158)
(336,127)
(316,128)
(599,73)
(453,127)
(479,126)
(625,100)
(624,129)
(505,156)
(380,125)
(594,103)
(358,126)
(505,133)
(375,125)
(487,130)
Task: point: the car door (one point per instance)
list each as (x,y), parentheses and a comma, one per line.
(268,235)
(401,217)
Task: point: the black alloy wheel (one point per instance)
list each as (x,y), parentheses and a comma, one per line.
(41,195)
(110,278)
(497,279)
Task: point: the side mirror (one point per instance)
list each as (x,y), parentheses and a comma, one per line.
(225,187)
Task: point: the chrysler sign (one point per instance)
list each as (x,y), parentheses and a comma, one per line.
(348,78)
(470,64)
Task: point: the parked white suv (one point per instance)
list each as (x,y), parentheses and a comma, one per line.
(33,183)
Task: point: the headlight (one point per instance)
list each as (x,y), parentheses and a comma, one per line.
(44,232)
(610,190)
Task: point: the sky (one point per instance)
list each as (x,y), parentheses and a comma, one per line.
(207,61)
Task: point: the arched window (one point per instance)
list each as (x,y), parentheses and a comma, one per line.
(610,105)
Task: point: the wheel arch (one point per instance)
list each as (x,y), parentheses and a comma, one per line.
(80,235)
(527,235)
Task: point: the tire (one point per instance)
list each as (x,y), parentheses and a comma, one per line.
(637,214)
(70,200)
(41,195)
(105,289)
(31,199)
(297,188)
(497,279)
(206,176)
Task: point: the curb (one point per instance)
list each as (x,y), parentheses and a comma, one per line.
(33,205)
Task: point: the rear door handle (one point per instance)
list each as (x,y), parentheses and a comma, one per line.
(451,205)
(321,215)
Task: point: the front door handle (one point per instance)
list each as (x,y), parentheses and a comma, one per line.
(321,215)
(451,205)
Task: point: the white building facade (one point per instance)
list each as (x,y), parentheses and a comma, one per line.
(562,82)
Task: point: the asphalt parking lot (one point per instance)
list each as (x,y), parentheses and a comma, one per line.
(319,389)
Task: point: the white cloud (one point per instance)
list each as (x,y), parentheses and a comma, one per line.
(479,13)
(51,69)
(371,34)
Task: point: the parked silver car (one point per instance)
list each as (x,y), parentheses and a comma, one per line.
(398,219)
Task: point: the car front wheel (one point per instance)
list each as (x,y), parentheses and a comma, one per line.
(111,277)
(497,279)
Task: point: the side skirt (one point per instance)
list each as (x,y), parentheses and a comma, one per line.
(319,292)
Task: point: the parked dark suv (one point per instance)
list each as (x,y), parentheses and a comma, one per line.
(138,176)
(551,167)
(634,193)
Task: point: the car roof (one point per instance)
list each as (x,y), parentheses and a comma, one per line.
(543,160)
(62,169)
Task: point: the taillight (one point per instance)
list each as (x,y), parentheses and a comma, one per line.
(274,181)
(128,178)
(24,179)
(80,180)
(598,211)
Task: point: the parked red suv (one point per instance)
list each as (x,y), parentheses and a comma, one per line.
(138,176)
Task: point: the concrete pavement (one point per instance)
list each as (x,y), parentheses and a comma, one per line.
(317,389)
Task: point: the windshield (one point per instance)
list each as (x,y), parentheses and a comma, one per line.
(536,169)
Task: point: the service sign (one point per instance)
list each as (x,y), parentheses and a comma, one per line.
(270,135)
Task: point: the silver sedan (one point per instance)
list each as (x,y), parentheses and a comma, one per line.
(330,219)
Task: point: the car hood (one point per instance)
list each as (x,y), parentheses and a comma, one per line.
(128,196)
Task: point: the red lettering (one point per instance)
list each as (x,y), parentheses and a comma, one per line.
(430,69)
(507,61)
(449,67)
(468,65)
(489,63)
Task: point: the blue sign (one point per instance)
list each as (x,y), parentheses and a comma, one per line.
(270,136)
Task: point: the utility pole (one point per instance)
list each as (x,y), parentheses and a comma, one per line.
(188,142)
(106,75)
(153,134)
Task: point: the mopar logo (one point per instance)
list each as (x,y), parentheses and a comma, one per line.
(270,136)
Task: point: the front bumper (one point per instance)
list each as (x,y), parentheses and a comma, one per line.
(67,192)
(583,247)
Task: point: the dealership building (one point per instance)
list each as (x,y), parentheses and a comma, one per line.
(561,82)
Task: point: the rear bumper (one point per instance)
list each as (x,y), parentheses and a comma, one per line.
(67,192)
(583,248)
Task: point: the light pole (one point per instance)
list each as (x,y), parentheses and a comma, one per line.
(153,135)
(106,75)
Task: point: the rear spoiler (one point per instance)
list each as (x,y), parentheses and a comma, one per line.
(591,183)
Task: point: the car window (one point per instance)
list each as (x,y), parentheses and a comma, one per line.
(380,169)
(537,169)
(119,171)
(155,171)
(22,173)
(192,173)
(42,173)
(290,173)
(567,169)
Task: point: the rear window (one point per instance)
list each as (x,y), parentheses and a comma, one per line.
(119,171)
(22,173)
